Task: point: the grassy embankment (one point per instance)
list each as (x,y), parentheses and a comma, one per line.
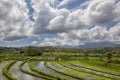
(111,68)
(6,72)
(62,70)
(43,73)
(89,72)
(32,73)
(80,74)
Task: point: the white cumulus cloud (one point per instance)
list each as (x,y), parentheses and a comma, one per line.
(74,27)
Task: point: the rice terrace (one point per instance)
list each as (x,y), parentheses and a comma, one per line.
(55,63)
(59,39)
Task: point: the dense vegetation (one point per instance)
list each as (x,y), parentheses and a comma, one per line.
(115,50)
(33,51)
(107,54)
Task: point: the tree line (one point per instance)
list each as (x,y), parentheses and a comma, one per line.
(21,50)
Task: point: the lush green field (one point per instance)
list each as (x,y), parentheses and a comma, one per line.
(60,70)
(60,66)
(99,66)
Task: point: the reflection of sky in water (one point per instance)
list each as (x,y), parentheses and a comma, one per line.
(14,70)
(2,64)
(41,66)
(52,65)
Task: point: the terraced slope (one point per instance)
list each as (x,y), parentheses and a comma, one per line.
(41,67)
(93,71)
(112,69)
(59,70)
(6,72)
(2,64)
(93,74)
(42,72)
(32,73)
(76,73)
(63,70)
(19,75)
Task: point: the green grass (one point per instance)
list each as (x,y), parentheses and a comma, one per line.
(67,76)
(93,74)
(46,64)
(83,74)
(64,70)
(32,73)
(5,71)
(112,68)
(43,73)
(51,56)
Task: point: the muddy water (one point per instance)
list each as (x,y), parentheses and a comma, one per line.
(2,64)
(41,66)
(15,71)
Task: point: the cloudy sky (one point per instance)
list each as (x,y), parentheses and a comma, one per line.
(59,22)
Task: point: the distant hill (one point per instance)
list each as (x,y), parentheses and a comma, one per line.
(94,45)
(98,44)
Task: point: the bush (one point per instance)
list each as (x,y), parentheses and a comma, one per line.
(33,51)
(108,58)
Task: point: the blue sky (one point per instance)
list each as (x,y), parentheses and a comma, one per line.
(59,22)
(31,10)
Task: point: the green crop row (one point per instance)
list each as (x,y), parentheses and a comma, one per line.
(112,68)
(76,68)
(64,73)
(6,73)
(43,73)
(32,73)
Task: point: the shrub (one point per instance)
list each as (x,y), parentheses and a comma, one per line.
(33,51)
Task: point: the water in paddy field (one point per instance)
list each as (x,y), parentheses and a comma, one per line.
(2,64)
(15,71)
(41,66)
(94,71)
